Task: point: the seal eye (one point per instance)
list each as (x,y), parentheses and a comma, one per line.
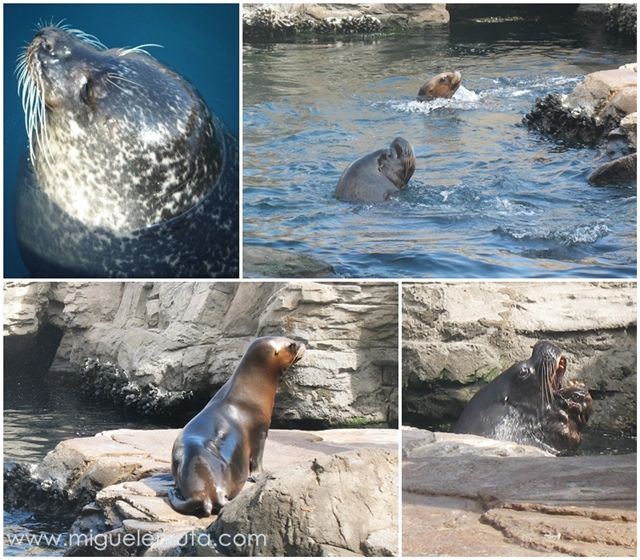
(86,91)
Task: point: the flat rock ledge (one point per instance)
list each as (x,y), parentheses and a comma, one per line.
(330,492)
(466,495)
(281,20)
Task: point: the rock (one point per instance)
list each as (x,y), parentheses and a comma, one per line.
(622,20)
(164,348)
(276,20)
(263,262)
(477,499)
(619,171)
(629,125)
(591,111)
(117,481)
(343,504)
(458,336)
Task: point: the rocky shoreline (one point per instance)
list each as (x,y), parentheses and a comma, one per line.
(115,484)
(485,497)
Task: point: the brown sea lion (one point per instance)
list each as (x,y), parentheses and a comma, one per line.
(528,404)
(223,444)
(443,85)
(379,175)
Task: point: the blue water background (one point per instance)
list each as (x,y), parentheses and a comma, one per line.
(489,197)
(200,42)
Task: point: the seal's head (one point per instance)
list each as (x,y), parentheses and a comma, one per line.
(117,140)
(443,85)
(398,163)
(277,353)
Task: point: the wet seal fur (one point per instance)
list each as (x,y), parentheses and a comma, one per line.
(379,175)
(528,404)
(128,174)
(223,444)
(441,86)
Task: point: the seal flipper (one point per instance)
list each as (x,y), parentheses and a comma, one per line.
(190,506)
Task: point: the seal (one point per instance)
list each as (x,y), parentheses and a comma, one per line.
(128,173)
(379,175)
(528,404)
(441,86)
(223,444)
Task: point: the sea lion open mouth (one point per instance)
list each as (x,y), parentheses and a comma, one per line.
(299,354)
(556,381)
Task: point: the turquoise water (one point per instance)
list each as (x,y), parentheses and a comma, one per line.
(489,198)
(199,41)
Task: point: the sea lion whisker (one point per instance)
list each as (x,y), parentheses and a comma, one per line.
(123,79)
(138,49)
(114,84)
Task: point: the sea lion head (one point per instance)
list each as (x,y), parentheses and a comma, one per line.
(398,163)
(278,352)
(117,140)
(443,85)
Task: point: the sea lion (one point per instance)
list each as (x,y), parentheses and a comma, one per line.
(528,404)
(128,173)
(223,444)
(443,85)
(378,176)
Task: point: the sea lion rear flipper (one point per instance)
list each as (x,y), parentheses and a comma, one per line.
(190,506)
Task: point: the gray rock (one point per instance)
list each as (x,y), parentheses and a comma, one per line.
(263,262)
(619,171)
(276,20)
(458,336)
(338,505)
(153,346)
(117,482)
(480,496)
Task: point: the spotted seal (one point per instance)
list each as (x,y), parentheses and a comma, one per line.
(222,445)
(379,175)
(128,173)
(528,403)
(441,86)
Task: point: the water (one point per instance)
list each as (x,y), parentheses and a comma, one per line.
(39,413)
(489,198)
(200,42)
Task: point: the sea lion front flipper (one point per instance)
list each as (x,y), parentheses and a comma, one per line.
(257,450)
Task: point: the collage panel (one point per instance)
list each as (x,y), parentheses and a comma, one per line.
(439,140)
(106,403)
(519,419)
(121,129)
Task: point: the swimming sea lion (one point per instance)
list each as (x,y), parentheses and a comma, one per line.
(528,404)
(443,85)
(378,176)
(223,444)
(128,174)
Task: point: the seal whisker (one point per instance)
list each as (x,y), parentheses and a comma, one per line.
(123,79)
(114,84)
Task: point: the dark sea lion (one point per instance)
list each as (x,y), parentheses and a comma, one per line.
(378,176)
(128,174)
(528,404)
(223,444)
(441,86)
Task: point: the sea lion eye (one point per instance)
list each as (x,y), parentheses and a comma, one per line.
(292,346)
(85,91)
(443,80)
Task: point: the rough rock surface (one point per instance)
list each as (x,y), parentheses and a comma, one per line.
(591,111)
(483,497)
(458,336)
(619,171)
(276,20)
(337,505)
(119,479)
(144,344)
(263,262)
